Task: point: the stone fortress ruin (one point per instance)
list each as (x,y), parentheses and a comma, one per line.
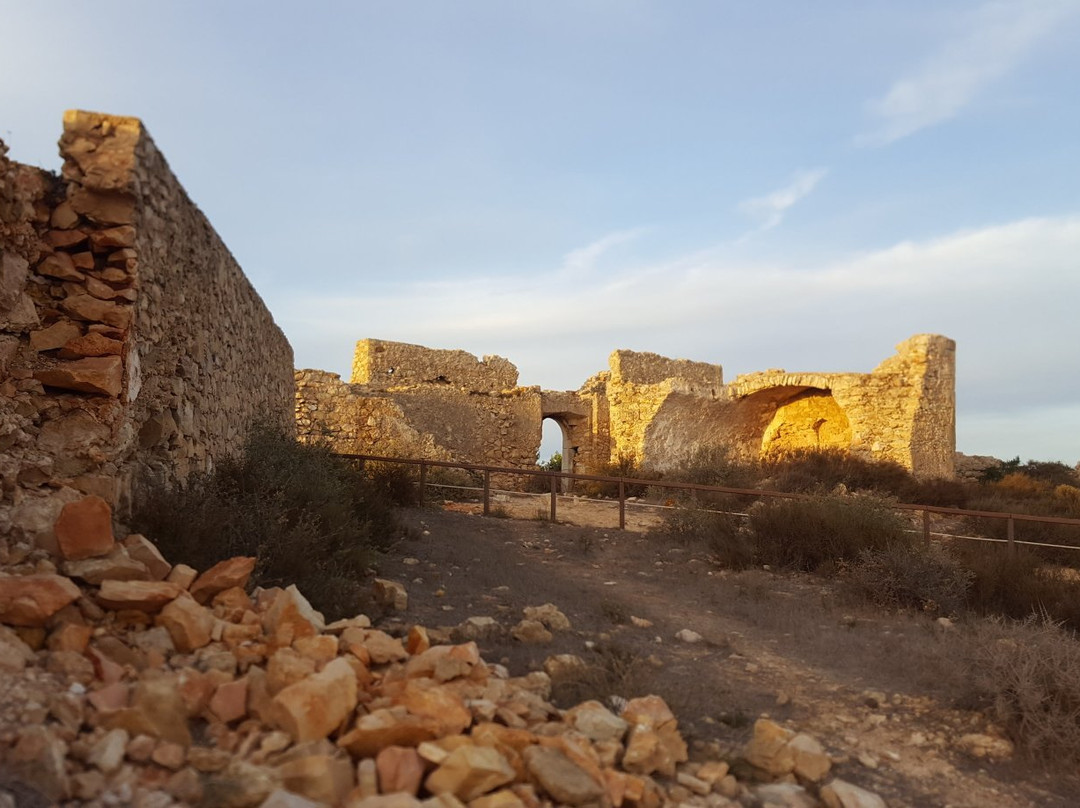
(132,347)
(408,400)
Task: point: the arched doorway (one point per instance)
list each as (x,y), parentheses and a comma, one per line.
(810,420)
(555,440)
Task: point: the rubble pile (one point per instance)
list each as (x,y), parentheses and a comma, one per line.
(125,680)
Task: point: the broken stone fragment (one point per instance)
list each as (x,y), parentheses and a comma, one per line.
(144,551)
(444,709)
(38,760)
(239,785)
(102,375)
(654,743)
(597,722)
(84,529)
(182,575)
(290,616)
(146,596)
(91,345)
(549,615)
(229,702)
(106,208)
(108,753)
(116,566)
(470,771)
(768,748)
(399,768)
(89,308)
(59,265)
(30,600)
(15,654)
(189,624)
(564,666)
(811,761)
(531,632)
(390,594)
(314,707)
(157,709)
(55,336)
(560,777)
(112,238)
(842,794)
(325,778)
(788,795)
(233,572)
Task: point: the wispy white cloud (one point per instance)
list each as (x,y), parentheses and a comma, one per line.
(583,260)
(769,210)
(998,36)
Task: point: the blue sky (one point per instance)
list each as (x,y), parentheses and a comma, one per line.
(759,185)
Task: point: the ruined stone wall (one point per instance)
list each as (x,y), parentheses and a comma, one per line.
(637,388)
(435,404)
(651,410)
(903,410)
(381,365)
(132,345)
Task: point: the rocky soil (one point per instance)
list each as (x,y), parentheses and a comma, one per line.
(883,693)
(130,681)
(503,664)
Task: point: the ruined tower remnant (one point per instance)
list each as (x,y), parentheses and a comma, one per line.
(656,411)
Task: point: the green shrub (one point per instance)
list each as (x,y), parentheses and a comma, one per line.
(805,534)
(1028,675)
(721,534)
(310,518)
(924,577)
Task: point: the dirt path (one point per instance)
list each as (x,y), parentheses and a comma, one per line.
(876,690)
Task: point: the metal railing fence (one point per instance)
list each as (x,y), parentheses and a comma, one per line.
(623,483)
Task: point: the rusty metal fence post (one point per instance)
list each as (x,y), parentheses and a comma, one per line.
(926,526)
(487,492)
(1010,535)
(622,504)
(423,482)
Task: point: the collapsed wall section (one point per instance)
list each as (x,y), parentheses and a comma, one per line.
(132,345)
(411,401)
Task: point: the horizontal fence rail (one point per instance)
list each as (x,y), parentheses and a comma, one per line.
(622,483)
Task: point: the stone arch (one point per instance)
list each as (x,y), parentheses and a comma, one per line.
(811,419)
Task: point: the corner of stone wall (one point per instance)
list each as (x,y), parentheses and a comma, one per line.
(113,365)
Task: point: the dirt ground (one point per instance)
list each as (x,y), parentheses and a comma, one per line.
(880,691)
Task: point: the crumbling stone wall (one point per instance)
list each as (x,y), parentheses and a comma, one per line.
(652,410)
(408,400)
(132,345)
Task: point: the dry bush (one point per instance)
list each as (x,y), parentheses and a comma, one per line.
(625,467)
(611,670)
(924,577)
(722,535)
(310,518)
(805,534)
(1028,674)
(807,470)
(1018,584)
(718,465)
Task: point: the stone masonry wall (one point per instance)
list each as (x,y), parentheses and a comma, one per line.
(132,345)
(654,411)
(435,404)
(381,365)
